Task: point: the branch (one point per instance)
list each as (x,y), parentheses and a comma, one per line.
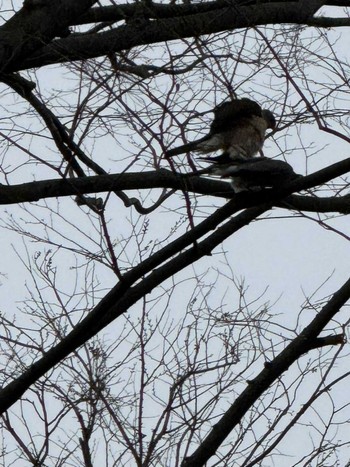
(38,23)
(325,22)
(154,10)
(153,271)
(34,191)
(123,295)
(58,132)
(306,341)
(339,204)
(82,47)
(337,339)
(35,24)
(67,147)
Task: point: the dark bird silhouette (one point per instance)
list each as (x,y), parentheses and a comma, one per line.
(251,174)
(238,128)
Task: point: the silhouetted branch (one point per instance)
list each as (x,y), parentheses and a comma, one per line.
(34,191)
(82,47)
(306,341)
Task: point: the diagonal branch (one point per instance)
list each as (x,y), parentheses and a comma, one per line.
(307,340)
(153,271)
(124,295)
(67,146)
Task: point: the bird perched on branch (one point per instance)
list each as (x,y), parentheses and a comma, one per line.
(238,128)
(251,174)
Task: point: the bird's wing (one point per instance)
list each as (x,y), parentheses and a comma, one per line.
(262,171)
(228,114)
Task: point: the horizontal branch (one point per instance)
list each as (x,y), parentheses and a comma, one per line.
(34,191)
(339,204)
(153,10)
(336,339)
(325,22)
(37,23)
(143,31)
(152,272)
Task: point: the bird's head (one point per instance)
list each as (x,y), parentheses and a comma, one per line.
(269,117)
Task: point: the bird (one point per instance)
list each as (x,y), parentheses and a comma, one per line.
(251,174)
(238,128)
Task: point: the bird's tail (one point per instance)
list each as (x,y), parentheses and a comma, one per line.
(206,159)
(181,149)
(208,143)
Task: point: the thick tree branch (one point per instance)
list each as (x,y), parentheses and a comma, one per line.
(34,191)
(157,268)
(81,47)
(339,204)
(34,25)
(325,22)
(39,22)
(154,10)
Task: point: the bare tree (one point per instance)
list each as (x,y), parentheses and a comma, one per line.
(128,335)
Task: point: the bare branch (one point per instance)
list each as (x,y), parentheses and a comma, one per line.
(273,370)
(131,35)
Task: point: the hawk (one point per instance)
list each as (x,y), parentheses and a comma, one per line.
(238,128)
(254,174)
